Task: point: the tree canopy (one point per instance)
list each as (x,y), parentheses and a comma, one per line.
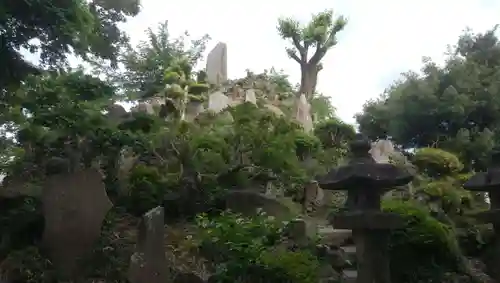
(321,34)
(56,29)
(454,106)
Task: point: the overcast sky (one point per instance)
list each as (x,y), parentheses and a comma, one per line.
(382,39)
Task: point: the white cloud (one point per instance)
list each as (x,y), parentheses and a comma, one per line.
(382,39)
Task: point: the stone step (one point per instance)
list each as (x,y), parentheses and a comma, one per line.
(349,249)
(349,253)
(349,276)
(331,230)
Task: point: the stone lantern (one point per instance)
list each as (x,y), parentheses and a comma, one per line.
(489,182)
(366,181)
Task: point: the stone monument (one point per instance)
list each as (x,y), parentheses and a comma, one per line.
(74,206)
(217,64)
(250,96)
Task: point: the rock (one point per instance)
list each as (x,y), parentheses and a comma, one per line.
(304,113)
(382,150)
(117,113)
(144,108)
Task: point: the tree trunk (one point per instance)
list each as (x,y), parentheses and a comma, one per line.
(309,79)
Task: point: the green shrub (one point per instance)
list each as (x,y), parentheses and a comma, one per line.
(21,223)
(249,250)
(290,266)
(424,249)
(436,162)
(27,265)
(146,189)
(448,193)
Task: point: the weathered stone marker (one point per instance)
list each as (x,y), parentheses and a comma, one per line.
(489,181)
(148,264)
(217,64)
(365,182)
(74,206)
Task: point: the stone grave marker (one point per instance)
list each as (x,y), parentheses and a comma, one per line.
(148,264)
(74,206)
(217,64)
(250,96)
(193,109)
(217,101)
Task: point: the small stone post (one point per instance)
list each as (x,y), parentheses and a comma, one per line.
(148,264)
(489,182)
(365,182)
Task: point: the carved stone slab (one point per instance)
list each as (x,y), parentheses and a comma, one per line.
(217,64)
(74,206)
(148,264)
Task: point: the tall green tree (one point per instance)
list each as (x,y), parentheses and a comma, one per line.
(321,107)
(56,29)
(319,34)
(145,64)
(455,107)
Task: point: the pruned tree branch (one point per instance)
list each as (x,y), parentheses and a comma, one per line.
(331,41)
(291,53)
(302,49)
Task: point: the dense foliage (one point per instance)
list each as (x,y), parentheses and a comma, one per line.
(56,119)
(230,238)
(453,107)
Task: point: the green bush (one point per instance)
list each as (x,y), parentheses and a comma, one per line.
(436,162)
(249,250)
(21,223)
(289,266)
(424,249)
(146,189)
(448,193)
